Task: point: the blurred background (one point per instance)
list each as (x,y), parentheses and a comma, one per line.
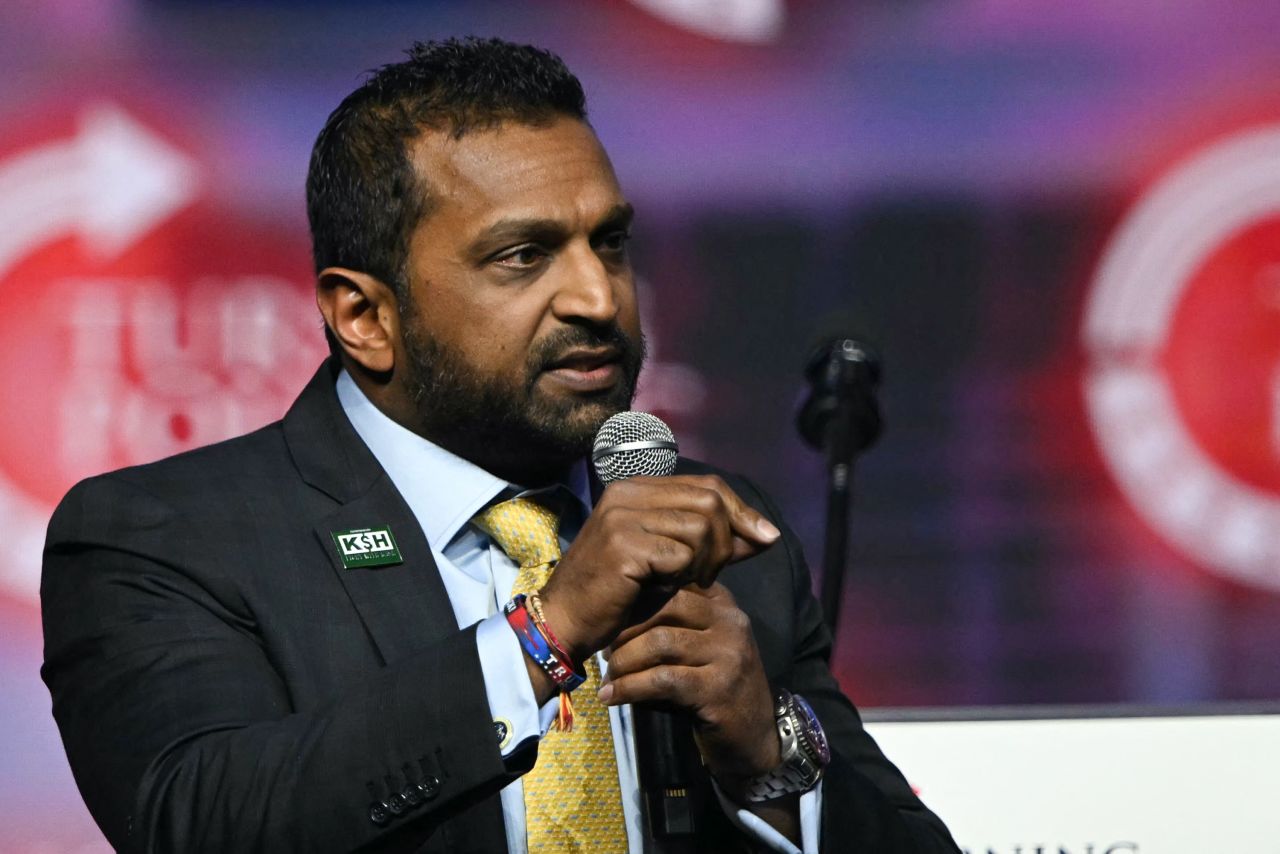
(1059,222)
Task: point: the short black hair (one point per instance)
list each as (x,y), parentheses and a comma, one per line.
(364,198)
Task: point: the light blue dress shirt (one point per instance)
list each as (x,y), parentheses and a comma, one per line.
(444,492)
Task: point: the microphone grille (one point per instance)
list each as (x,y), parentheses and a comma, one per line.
(634,444)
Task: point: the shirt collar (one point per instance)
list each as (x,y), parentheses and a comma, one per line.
(442,489)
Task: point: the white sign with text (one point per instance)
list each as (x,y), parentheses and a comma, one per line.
(1155,785)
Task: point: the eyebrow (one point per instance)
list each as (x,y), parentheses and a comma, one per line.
(519,229)
(618,216)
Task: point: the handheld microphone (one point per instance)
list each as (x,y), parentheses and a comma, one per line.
(633,444)
(637,444)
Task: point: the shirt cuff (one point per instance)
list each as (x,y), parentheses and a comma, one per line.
(765,834)
(517,719)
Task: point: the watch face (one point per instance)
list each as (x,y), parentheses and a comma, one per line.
(811,732)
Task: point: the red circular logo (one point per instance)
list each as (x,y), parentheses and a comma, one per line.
(1222,355)
(1182,332)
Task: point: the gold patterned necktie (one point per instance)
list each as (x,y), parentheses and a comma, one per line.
(572,801)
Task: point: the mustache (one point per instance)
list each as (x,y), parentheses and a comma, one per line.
(555,345)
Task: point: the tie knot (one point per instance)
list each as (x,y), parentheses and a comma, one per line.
(524,529)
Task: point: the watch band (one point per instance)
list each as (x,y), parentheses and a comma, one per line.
(805,753)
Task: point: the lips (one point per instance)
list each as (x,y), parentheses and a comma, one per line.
(585,360)
(587,370)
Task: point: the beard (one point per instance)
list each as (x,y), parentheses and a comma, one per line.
(507,425)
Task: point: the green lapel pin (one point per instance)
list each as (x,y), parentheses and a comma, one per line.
(365,547)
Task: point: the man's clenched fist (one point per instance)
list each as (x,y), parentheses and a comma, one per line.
(646,534)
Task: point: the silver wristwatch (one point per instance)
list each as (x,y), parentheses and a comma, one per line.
(805,752)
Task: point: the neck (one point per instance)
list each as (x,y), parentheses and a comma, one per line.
(517,456)
(521,470)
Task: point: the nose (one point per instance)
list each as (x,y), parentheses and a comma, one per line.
(588,288)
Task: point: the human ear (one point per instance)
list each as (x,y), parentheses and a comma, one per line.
(361,312)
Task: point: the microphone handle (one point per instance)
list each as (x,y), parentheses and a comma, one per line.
(664,751)
(670,794)
(664,782)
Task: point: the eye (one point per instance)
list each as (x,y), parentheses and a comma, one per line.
(615,241)
(520,257)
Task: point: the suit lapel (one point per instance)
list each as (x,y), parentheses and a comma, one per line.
(405,606)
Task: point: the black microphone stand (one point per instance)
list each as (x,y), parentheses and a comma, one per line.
(841,418)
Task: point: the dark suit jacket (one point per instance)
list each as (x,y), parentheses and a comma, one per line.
(223,684)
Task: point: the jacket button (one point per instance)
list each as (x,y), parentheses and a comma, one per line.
(429,787)
(397,803)
(412,795)
(379,813)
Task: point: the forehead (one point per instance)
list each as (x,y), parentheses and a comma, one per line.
(553,171)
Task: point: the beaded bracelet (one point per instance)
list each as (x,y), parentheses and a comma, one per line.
(536,646)
(533,604)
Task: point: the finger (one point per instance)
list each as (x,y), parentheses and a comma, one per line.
(689,608)
(701,512)
(686,514)
(702,517)
(658,646)
(706,494)
(673,685)
(707,534)
(644,551)
(666,556)
(747,522)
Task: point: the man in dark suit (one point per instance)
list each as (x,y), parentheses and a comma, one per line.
(295,640)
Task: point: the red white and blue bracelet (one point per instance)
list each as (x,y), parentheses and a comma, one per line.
(540,643)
